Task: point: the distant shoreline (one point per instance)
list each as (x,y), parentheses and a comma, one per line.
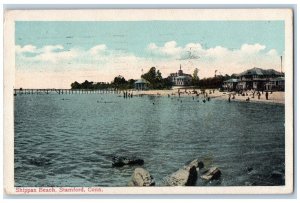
(274,97)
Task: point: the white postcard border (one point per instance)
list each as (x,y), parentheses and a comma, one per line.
(137,15)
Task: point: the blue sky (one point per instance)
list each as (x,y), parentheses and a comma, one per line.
(112,48)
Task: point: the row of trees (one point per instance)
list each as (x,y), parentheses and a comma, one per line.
(90,85)
(119,82)
(153,76)
(155,79)
(210,83)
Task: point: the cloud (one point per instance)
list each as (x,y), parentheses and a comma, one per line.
(52,48)
(55,54)
(99,49)
(103,63)
(25,49)
(252,48)
(47,54)
(272,52)
(170,49)
(195,51)
(225,60)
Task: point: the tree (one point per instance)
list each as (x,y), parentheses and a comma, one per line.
(213,82)
(119,82)
(158,76)
(166,83)
(150,76)
(195,74)
(87,85)
(75,85)
(155,79)
(131,83)
(195,77)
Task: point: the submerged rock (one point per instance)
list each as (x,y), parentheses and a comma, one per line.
(278,177)
(247,183)
(187,176)
(119,161)
(141,177)
(277,174)
(196,163)
(211,174)
(249,169)
(39,161)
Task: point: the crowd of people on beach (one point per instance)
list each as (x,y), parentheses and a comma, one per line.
(206,95)
(248,94)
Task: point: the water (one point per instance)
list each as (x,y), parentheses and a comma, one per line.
(69,140)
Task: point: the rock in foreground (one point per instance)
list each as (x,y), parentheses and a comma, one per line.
(185,177)
(141,177)
(119,161)
(211,174)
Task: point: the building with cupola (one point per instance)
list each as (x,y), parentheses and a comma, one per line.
(180,78)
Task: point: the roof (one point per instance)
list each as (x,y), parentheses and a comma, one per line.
(278,79)
(183,76)
(142,80)
(232,80)
(259,71)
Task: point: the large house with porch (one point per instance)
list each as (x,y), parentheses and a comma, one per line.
(257,79)
(275,84)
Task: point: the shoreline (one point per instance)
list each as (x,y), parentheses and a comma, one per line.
(273,98)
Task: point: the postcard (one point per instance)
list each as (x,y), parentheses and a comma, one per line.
(148,101)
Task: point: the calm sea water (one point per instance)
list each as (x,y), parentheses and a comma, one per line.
(69,140)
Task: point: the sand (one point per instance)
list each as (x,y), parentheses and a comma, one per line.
(274,97)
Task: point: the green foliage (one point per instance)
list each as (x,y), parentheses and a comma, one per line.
(166,83)
(213,82)
(150,76)
(75,85)
(87,85)
(195,78)
(195,74)
(90,85)
(153,76)
(119,83)
(156,80)
(130,83)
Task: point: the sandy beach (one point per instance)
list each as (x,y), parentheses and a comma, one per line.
(273,97)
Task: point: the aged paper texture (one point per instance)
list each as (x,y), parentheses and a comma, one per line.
(148,101)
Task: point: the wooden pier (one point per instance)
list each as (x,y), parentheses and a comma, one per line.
(64,91)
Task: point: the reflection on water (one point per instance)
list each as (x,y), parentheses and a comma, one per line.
(69,140)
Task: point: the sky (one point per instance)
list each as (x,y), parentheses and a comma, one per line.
(55,54)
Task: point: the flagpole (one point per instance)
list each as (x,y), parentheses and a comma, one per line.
(281,63)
